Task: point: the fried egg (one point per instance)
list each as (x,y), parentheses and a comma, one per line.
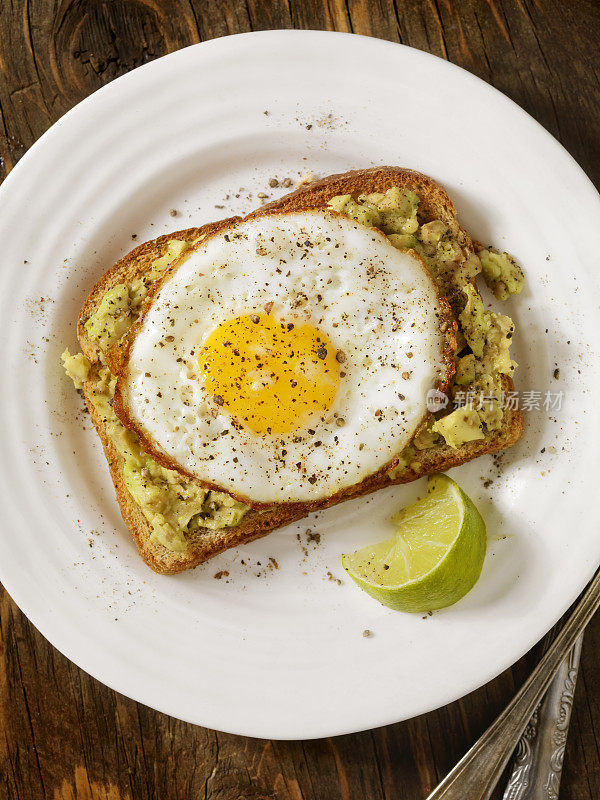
(286,358)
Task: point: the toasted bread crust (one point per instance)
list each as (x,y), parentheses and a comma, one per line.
(205,543)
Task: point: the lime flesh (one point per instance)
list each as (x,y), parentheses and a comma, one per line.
(433,560)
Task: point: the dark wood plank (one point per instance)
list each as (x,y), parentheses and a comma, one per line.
(64,735)
(221,18)
(321,15)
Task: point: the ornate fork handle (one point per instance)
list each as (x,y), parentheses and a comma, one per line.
(538,759)
(476,774)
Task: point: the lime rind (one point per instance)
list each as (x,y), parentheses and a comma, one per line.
(444,530)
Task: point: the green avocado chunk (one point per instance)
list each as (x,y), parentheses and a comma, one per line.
(77,367)
(460,426)
(501,272)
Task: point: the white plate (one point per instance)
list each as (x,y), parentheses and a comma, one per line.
(280,652)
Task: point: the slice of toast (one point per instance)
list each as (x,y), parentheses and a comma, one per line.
(203,543)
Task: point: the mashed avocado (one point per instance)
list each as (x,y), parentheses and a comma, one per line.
(175,247)
(112,317)
(120,305)
(460,426)
(483,337)
(489,335)
(77,367)
(487,391)
(465,370)
(472,320)
(501,272)
(394,212)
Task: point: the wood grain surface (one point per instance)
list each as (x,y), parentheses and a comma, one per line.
(64,735)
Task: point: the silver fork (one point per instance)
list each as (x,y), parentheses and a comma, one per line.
(478,772)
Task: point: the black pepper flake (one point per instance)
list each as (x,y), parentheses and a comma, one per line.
(312,479)
(218,399)
(255,319)
(322,353)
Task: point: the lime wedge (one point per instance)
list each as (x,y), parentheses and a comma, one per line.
(434,559)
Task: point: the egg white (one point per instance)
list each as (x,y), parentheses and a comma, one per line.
(378,305)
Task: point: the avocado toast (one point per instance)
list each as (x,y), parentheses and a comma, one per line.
(176,522)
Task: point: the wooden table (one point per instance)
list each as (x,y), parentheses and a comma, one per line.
(63,734)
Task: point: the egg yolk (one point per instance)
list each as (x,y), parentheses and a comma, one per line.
(269,374)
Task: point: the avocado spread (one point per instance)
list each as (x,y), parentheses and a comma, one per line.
(172,505)
(121,304)
(483,337)
(112,317)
